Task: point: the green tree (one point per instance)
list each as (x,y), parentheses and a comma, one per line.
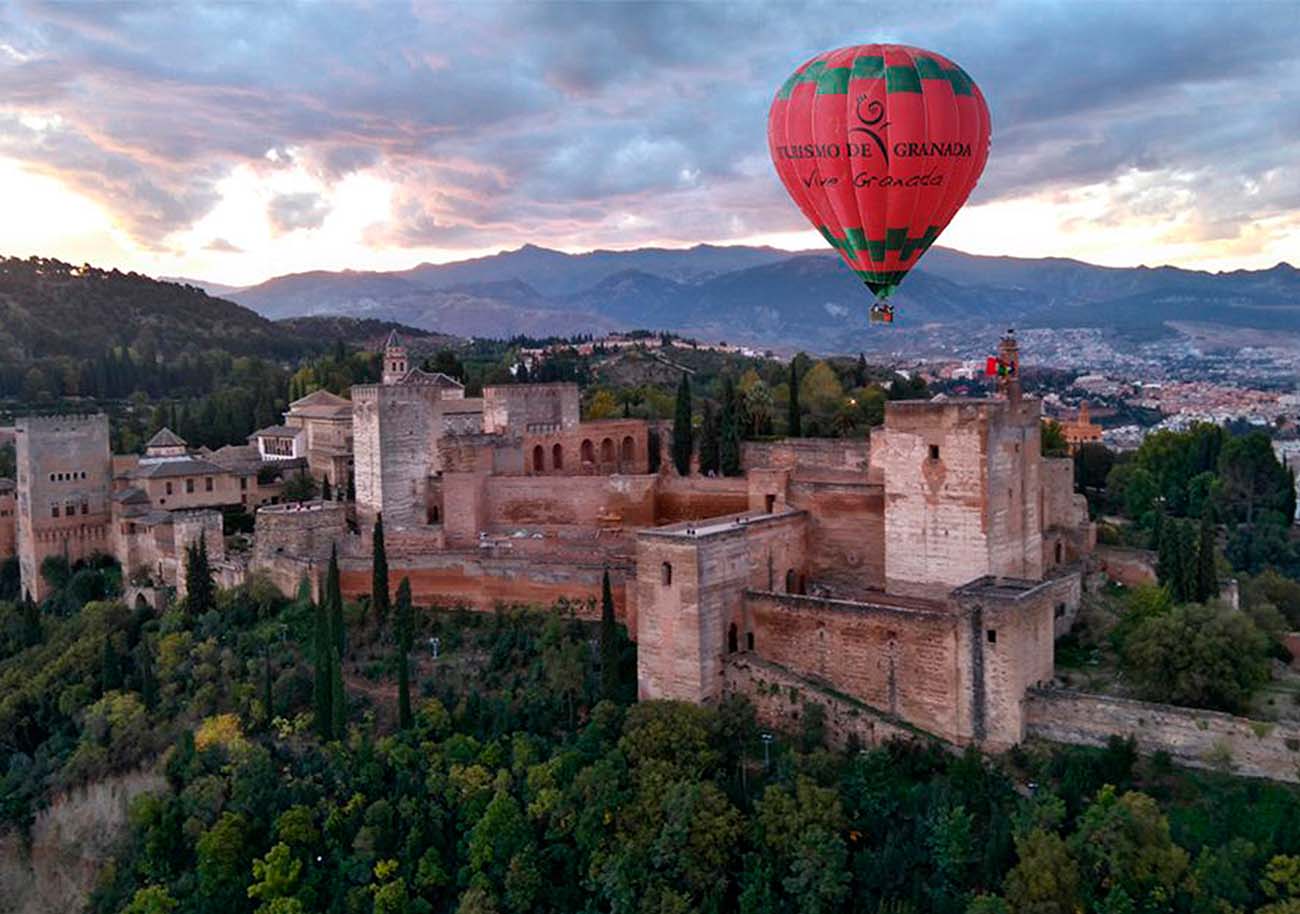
(223,855)
(299,487)
(31,615)
(709,442)
(821,394)
(1046,878)
(794,414)
(609,642)
(334,603)
(338,697)
(1123,845)
(200,591)
(683,434)
(275,877)
(405,635)
(1252,479)
(323,690)
(1052,439)
(1207,574)
(379,575)
(152,899)
(729,447)
(1202,656)
(110,666)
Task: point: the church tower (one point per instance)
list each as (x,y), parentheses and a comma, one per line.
(1009,360)
(395,364)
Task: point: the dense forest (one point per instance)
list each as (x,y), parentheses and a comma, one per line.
(524,779)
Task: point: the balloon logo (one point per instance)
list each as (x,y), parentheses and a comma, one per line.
(879,145)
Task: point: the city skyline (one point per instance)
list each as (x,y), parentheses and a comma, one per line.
(254,140)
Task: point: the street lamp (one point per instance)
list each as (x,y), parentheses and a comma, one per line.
(767,744)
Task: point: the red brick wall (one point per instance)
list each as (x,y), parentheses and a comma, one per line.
(694,497)
(514,501)
(846,534)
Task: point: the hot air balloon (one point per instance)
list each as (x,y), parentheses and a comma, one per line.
(879,145)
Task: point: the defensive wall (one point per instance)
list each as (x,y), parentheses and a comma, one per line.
(780,697)
(1193,738)
(8,518)
(682,498)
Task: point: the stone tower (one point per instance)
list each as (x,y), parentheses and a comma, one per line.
(1009,355)
(395,362)
(962,481)
(64,486)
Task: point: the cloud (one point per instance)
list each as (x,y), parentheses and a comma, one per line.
(289,212)
(608,123)
(222,246)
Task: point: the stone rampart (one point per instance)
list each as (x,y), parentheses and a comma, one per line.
(681,498)
(1194,738)
(852,455)
(779,695)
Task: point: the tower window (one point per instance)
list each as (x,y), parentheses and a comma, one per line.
(666,574)
(993,635)
(934,452)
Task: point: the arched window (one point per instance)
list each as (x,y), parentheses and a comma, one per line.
(557,458)
(628,446)
(733,639)
(1059,552)
(791,582)
(435,515)
(607,451)
(539,459)
(588,451)
(666,574)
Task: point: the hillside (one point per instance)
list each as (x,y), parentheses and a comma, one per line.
(50,308)
(769,297)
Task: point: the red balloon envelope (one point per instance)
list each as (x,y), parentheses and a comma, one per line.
(879,145)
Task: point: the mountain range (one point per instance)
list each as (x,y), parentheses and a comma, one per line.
(773,298)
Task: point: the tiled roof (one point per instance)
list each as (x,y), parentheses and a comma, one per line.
(321,404)
(276,431)
(180,466)
(429,378)
(166,438)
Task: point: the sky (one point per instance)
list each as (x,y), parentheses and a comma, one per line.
(233,142)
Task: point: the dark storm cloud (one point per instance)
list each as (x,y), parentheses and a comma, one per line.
(600,123)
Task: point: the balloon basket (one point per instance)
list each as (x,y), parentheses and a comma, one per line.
(879,315)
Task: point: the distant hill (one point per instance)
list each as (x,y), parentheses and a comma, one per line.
(771,297)
(366,333)
(51,308)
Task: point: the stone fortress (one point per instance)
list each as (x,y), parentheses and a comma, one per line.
(910,581)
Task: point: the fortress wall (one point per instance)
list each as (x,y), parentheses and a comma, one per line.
(307,532)
(848,454)
(601,447)
(8,524)
(483,582)
(846,534)
(690,596)
(527,407)
(1058,504)
(1196,739)
(908,664)
(524,501)
(681,498)
(779,696)
(1015,491)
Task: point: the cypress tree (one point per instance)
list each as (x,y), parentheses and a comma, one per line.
(268,694)
(334,604)
(609,646)
(323,687)
(200,592)
(379,575)
(860,372)
(792,422)
(338,699)
(709,443)
(32,633)
(404,637)
(729,447)
(1207,576)
(110,667)
(683,435)
(144,671)
(1188,554)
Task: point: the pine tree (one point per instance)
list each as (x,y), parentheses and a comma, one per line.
(338,699)
(709,441)
(200,592)
(609,646)
(683,434)
(323,688)
(1207,575)
(405,624)
(729,448)
(379,575)
(793,424)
